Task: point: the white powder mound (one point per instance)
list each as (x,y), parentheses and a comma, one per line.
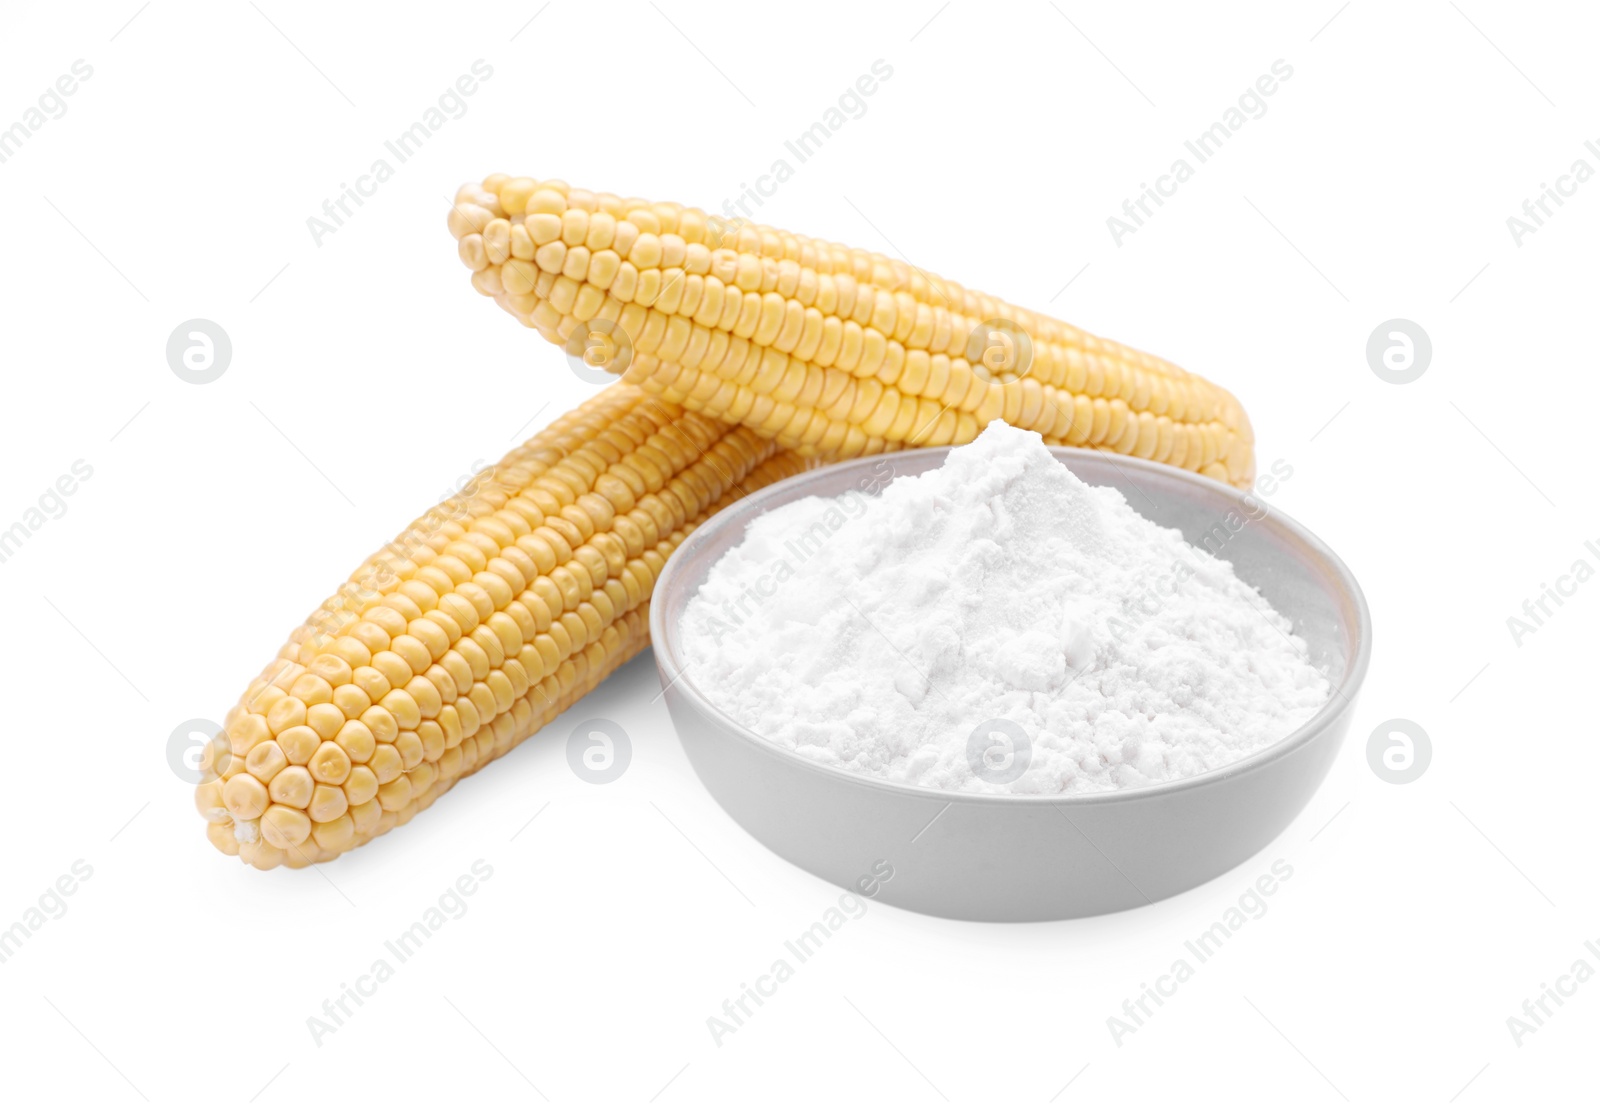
(893,635)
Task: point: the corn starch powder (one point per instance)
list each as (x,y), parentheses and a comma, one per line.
(995,625)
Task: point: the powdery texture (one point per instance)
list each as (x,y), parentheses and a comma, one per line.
(875,634)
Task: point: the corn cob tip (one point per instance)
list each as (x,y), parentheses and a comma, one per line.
(484,619)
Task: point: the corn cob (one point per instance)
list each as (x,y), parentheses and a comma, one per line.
(485,619)
(830,351)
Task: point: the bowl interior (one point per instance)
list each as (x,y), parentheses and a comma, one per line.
(1294,571)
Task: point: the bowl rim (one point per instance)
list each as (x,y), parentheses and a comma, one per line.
(1340,701)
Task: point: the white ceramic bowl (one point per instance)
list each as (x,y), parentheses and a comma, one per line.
(1003,857)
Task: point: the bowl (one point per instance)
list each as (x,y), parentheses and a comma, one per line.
(974,856)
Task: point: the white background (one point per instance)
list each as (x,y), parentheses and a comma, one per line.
(367,377)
